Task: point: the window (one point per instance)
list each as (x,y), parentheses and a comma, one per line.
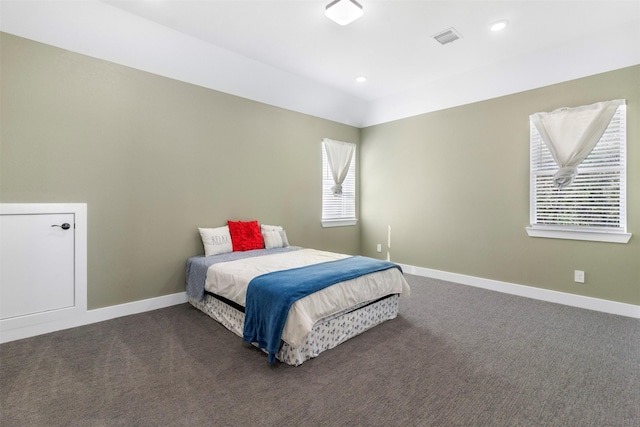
(338,210)
(593,207)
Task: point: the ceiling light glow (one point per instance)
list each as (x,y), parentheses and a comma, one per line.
(361,79)
(498,26)
(343,12)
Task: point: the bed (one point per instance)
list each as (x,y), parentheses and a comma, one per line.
(222,286)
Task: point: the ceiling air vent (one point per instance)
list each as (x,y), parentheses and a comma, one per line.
(447,36)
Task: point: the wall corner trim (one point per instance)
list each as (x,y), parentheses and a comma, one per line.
(580,301)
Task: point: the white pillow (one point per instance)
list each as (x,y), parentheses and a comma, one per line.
(275,239)
(265,227)
(216,241)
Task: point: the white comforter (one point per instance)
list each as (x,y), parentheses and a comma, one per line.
(230,280)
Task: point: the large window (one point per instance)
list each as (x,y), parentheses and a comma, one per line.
(593,206)
(338,210)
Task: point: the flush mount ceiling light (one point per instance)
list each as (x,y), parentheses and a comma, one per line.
(343,12)
(361,79)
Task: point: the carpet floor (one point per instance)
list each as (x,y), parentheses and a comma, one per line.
(455,356)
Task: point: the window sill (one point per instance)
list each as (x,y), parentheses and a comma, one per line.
(594,236)
(339,222)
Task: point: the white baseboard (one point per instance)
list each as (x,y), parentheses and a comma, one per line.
(580,301)
(27,329)
(17,330)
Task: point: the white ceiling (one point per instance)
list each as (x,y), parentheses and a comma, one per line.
(288,54)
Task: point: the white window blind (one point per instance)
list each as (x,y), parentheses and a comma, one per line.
(338,210)
(596,200)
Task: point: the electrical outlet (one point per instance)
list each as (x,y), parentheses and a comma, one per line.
(578,276)
(379,247)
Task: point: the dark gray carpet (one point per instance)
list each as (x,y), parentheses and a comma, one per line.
(456,356)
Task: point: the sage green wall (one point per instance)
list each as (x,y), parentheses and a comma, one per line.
(454,186)
(154,158)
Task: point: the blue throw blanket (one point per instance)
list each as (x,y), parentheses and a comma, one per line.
(270,295)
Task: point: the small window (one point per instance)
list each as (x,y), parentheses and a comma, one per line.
(593,207)
(338,210)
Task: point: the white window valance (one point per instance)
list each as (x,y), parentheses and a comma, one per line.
(571,133)
(339,155)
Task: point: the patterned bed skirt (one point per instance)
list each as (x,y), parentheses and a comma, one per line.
(325,334)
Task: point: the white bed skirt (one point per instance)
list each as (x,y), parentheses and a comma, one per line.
(325,334)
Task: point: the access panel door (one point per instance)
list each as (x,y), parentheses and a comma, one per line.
(36,263)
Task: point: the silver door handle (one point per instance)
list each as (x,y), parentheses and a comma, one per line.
(64,226)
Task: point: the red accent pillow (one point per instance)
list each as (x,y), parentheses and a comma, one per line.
(245,236)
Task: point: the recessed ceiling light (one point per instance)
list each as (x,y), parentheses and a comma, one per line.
(498,26)
(361,79)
